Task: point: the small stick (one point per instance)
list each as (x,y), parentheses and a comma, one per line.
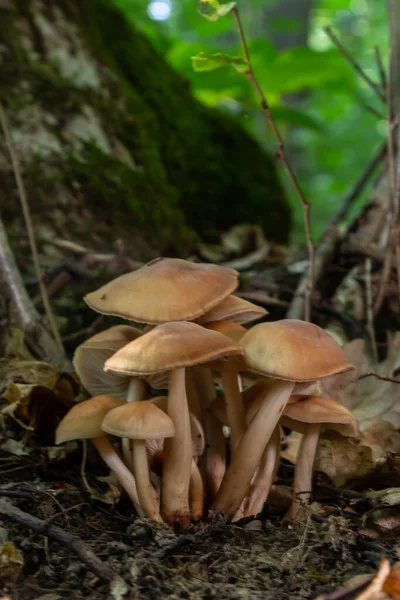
(381,377)
(73,543)
(282,155)
(381,68)
(29,228)
(369,307)
(374,86)
(375,587)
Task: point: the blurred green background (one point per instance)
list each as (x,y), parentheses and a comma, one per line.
(332,121)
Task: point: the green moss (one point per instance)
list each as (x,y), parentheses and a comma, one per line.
(222,175)
(194,169)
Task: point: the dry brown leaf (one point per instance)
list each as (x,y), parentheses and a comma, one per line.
(391,584)
(340,459)
(374,402)
(11,561)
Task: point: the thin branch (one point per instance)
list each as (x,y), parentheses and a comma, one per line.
(73,543)
(393,114)
(29,228)
(374,86)
(282,155)
(381,68)
(381,377)
(358,187)
(369,307)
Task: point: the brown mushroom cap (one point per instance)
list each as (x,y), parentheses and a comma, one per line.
(166,289)
(140,420)
(233,309)
(292,350)
(170,346)
(232,330)
(84,420)
(316,409)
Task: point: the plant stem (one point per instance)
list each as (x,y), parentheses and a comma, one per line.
(29,228)
(282,156)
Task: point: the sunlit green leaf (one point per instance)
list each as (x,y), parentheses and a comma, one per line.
(213,10)
(209,62)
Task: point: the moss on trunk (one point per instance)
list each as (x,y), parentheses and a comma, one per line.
(111,139)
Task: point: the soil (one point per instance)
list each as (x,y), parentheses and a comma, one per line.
(257,559)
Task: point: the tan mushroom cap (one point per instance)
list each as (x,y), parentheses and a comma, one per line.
(166,289)
(316,409)
(233,309)
(170,346)
(232,330)
(89,359)
(292,350)
(140,420)
(84,420)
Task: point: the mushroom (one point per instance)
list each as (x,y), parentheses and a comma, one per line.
(233,309)
(308,416)
(163,290)
(289,351)
(140,421)
(172,347)
(82,422)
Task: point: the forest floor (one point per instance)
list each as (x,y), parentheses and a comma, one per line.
(257,559)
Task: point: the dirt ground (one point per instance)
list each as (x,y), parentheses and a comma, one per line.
(260,559)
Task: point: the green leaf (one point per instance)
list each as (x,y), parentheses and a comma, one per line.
(208,62)
(213,10)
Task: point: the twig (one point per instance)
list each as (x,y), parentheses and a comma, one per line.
(323,252)
(381,68)
(374,86)
(393,114)
(376,584)
(358,187)
(73,543)
(29,228)
(345,592)
(369,307)
(381,377)
(22,312)
(282,155)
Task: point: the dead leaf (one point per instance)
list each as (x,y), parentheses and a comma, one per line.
(16,447)
(340,459)
(11,561)
(391,584)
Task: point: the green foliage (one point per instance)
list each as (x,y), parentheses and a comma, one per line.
(213,10)
(335,135)
(209,62)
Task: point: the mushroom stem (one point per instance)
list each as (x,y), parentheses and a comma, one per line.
(193,396)
(196,493)
(137,390)
(264,476)
(177,455)
(302,483)
(213,461)
(234,403)
(247,454)
(144,487)
(122,473)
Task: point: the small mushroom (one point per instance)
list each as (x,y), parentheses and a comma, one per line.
(309,416)
(233,309)
(140,421)
(289,351)
(83,422)
(172,347)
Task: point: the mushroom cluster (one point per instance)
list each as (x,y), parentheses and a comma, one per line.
(173,462)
